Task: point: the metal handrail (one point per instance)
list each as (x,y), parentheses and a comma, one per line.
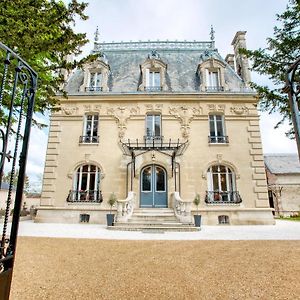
(89,139)
(221,139)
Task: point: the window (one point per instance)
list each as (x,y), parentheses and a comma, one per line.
(153,80)
(86,185)
(221,185)
(217,129)
(90,130)
(213,79)
(95,82)
(223,219)
(153,126)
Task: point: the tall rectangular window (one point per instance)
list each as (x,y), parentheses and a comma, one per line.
(95,81)
(153,126)
(90,131)
(217,129)
(213,80)
(153,80)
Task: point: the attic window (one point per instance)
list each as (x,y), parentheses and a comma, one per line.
(95,76)
(211,73)
(153,73)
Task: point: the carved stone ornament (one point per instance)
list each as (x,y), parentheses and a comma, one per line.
(154,107)
(121,114)
(185,114)
(70,110)
(219,158)
(216,107)
(240,110)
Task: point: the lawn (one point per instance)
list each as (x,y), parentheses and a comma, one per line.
(53,268)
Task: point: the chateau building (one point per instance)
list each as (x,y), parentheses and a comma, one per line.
(157,123)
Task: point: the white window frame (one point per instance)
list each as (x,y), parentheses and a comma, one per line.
(89,138)
(219,139)
(152,133)
(97,82)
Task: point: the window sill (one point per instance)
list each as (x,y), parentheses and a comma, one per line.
(218,144)
(88,144)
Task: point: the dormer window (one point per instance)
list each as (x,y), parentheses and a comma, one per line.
(153,81)
(95,82)
(95,76)
(153,74)
(211,73)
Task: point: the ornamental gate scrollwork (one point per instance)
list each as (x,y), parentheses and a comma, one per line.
(18,83)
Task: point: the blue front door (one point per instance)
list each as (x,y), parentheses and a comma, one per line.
(153,186)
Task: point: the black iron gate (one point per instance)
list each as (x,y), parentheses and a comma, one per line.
(18,82)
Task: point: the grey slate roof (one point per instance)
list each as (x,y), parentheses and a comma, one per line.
(282,163)
(182,59)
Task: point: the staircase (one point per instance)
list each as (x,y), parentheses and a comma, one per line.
(153,220)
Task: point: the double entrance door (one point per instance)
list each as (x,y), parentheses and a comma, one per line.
(153,186)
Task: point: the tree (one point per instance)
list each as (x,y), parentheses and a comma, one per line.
(41,32)
(7,178)
(282,51)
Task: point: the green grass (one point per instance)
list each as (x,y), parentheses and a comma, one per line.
(297,219)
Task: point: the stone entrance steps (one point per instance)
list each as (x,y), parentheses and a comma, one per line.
(153,220)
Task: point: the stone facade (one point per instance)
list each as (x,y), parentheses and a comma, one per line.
(203,118)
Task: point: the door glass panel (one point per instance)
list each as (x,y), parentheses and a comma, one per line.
(146,180)
(160,179)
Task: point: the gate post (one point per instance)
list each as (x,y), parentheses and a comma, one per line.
(17,91)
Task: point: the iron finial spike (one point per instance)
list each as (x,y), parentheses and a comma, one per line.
(96,34)
(212,33)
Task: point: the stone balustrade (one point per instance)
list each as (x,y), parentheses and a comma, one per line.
(125,207)
(182,208)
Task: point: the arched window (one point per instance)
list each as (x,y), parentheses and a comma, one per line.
(86,185)
(221,185)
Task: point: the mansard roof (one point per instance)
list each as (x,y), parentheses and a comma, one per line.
(181,57)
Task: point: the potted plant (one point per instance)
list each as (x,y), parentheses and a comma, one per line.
(197,217)
(110,217)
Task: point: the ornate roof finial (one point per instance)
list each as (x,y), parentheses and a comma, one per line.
(212,33)
(96,35)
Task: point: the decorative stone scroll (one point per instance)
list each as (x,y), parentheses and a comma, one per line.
(154,107)
(216,108)
(69,110)
(185,114)
(121,114)
(240,110)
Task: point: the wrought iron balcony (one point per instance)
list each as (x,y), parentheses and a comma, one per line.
(86,196)
(153,88)
(221,139)
(88,139)
(224,197)
(93,88)
(214,89)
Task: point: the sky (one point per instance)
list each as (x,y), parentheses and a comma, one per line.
(125,20)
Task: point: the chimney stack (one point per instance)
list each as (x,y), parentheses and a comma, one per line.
(241,61)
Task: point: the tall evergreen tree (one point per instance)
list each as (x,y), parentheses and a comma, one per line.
(282,51)
(41,32)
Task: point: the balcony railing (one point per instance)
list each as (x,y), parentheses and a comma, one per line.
(221,139)
(88,139)
(153,88)
(215,89)
(218,197)
(86,196)
(93,88)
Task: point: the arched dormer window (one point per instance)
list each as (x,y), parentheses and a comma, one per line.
(211,73)
(153,73)
(95,76)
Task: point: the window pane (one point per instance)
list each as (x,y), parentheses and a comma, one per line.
(223,182)
(146,182)
(160,180)
(149,125)
(99,79)
(84,182)
(215,182)
(157,125)
(219,128)
(212,127)
(157,79)
(92,79)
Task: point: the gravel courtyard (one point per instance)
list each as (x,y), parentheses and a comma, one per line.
(65,268)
